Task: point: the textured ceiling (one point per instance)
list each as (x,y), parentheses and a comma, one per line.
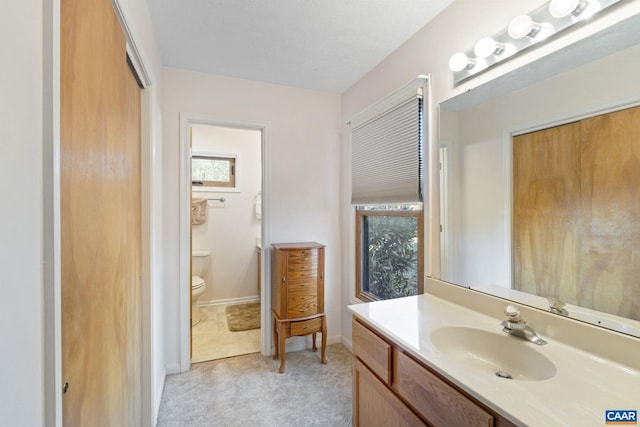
(325,45)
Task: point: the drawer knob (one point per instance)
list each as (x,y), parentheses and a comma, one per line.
(283,279)
(305,327)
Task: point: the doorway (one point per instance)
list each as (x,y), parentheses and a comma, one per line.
(226,185)
(229,235)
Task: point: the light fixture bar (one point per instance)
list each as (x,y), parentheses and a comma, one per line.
(523,32)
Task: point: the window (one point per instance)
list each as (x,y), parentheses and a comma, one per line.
(213,171)
(389,248)
(387,188)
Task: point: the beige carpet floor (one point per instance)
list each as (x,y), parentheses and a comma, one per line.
(248,391)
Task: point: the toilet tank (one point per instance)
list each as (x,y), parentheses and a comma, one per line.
(200,262)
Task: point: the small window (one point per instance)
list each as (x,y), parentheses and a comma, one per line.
(213,171)
(389,250)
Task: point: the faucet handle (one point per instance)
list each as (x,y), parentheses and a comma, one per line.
(513,314)
(557,306)
(556,303)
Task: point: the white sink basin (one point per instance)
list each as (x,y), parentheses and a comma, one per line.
(494,353)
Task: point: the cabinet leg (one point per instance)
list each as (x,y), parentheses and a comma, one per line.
(323,357)
(313,341)
(276,343)
(282,339)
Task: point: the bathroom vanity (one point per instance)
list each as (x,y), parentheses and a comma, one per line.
(430,360)
(386,376)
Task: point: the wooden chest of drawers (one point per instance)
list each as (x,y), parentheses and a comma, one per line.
(297,294)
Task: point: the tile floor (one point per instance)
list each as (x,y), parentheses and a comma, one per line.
(213,340)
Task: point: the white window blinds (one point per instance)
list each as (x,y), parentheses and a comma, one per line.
(387,152)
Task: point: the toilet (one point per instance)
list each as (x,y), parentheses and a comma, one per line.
(199,267)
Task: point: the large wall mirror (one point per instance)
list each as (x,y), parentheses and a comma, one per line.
(540,183)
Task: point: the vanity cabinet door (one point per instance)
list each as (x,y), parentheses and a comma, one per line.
(374,405)
(437,401)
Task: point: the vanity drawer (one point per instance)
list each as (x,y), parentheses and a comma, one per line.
(372,350)
(306,326)
(438,402)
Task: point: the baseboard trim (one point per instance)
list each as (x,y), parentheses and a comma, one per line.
(347,343)
(240,300)
(158,397)
(172,368)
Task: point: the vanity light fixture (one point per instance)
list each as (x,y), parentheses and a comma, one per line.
(459,61)
(563,8)
(485,47)
(523,32)
(523,26)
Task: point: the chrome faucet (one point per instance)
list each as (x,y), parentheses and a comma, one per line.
(514,325)
(556,306)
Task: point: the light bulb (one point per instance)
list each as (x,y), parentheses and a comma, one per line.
(523,26)
(563,8)
(487,47)
(460,61)
(590,9)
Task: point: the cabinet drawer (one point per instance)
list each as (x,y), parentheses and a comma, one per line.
(372,350)
(302,293)
(303,266)
(438,402)
(306,326)
(302,274)
(303,253)
(304,286)
(302,304)
(302,263)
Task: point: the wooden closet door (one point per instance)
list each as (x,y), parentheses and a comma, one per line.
(546,211)
(576,212)
(100,220)
(610,253)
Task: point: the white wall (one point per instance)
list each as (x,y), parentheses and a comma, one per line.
(21,221)
(232,227)
(456,29)
(304,158)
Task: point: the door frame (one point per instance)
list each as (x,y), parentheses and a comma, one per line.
(184,271)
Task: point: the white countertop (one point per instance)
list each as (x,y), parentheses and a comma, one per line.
(584,387)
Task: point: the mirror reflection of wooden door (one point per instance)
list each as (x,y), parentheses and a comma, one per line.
(100,220)
(546,211)
(576,212)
